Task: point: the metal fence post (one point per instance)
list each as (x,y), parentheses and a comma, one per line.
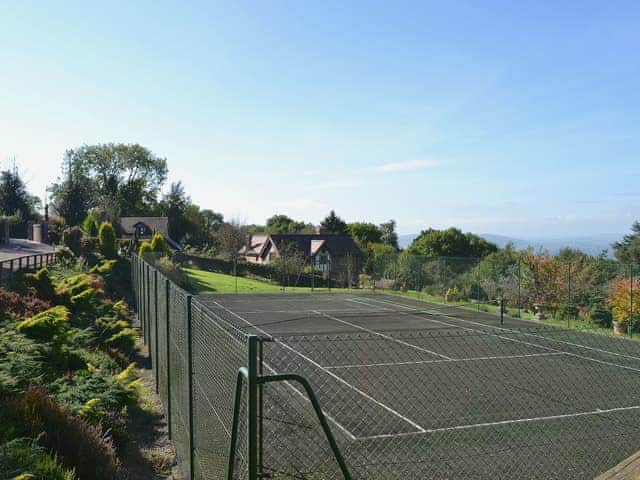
(630,327)
(167,287)
(478,288)
(519,282)
(145,316)
(190,386)
(569,293)
(252,407)
(155,310)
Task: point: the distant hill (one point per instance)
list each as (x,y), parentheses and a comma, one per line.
(592,244)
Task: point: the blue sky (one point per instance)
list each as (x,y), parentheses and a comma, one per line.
(496,117)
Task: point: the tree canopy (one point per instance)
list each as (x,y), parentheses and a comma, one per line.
(279,223)
(117,179)
(451,243)
(73,195)
(334,224)
(14,197)
(628,250)
(364,233)
(388,234)
(187,222)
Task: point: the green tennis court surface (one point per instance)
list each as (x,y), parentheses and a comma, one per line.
(416,390)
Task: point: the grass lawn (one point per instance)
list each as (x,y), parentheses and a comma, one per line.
(212,282)
(220,283)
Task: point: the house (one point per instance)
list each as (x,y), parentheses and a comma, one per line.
(145,227)
(337,256)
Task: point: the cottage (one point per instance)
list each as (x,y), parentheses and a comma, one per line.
(334,255)
(144,228)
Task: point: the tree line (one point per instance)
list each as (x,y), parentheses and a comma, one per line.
(108,181)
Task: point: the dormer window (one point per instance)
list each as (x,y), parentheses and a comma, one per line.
(142,230)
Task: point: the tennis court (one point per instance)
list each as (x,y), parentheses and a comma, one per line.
(418,390)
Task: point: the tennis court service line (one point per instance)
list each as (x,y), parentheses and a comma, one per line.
(386,337)
(420,362)
(331,374)
(586,347)
(603,362)
(471,426)
(289,384)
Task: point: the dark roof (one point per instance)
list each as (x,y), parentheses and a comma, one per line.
(156,224)
(336,244)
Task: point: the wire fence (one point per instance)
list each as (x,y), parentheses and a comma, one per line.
(535,403)
(581,292)
(388,387)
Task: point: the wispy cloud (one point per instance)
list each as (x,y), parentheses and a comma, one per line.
(406,166)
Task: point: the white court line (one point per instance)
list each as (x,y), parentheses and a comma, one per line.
(611,364)
(420,362)
(338,424)
(255,312)
(387,337)
(503,422)
(586,347)
(339,379)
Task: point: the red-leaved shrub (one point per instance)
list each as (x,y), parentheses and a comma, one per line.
(77,443)
(20,306)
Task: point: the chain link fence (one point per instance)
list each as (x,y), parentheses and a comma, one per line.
(535,403)
(436,378)
(579,292)
(195,359)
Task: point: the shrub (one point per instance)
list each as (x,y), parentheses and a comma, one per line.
(622,302)
(159,244)
(71,286)
(103,267)
(65,256)
(90,225)
(601,315)
(107,238)
(124,341)
(22,361)
(365,280)
(78,444)
(41,283)
(76,390)
(72,239)
(117,276)
(453,294)
(89,248)
(24,458)
(84,302)
(46,326)
(19,306)
(173,272)
(567,312)
(145,247)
